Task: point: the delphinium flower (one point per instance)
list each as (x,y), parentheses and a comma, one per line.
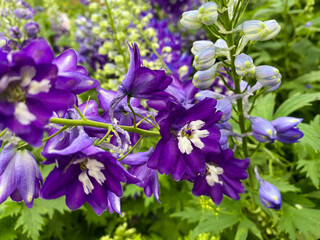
(187,135)
(83,172)
(29,92)
(20,177)
(269,194)
(222,176)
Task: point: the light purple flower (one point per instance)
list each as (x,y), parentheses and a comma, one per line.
(20,177)
(287,130)
(263,130)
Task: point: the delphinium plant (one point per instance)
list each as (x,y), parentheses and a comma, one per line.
(212,139)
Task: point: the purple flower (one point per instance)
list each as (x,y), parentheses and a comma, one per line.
(222,176)
(148,176)
(32,29)
(92,176)
(28,91)
(15,32)
(141,82)
(263,130)
(72,76)
(187,135)
(269,195)
(20,177)
(287,130)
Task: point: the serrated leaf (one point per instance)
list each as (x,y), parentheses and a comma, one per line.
(190,214)
(264,107)
(296,102)
(310,136)
(49,206)
(312,170)
(31,221)
(305,220)
(9,208)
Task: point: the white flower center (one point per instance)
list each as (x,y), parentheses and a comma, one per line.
(190,133)
(22,114)
(36,87)
(213,173)
(94,170)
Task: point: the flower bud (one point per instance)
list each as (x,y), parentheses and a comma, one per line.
(225,130)
(263,130)
(287,131)
(267,75)
(269,194)
(208,13)
(205,79)
(204,59)
(221,48)
(200,45)
(32,28)
(190,20)
(256,30)
(225,106)
(244,65)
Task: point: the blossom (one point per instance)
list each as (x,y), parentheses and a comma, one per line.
(139,168)
(287,130)
(190,20)
(92,176)
(256,30)
(28,90)
(186,136)
(244,65)
(208,13)
(222,176)
(263,130)
(20,177)
(269,194)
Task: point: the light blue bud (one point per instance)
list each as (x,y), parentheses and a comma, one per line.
(200,45)
(269,194)
(244,65)
(204,79)
(208,13)
(267,75)
(262,130)
(207,93)
(225,106)
(190,20)
(256,30)
(204,59)
(221,48)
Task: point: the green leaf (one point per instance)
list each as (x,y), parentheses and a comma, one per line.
(190,214)
(9,208)
(312,170)
(305,220)
(244,226)
(7,231)
(31,221)
(264,106)
(311,136)
(296,102)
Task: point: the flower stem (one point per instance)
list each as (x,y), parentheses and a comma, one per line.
(130,151)
(86,122)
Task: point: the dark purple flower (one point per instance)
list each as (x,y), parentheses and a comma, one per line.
(92,176)
(139,168)
(15,32)
(287,130)
(141,82)
(72,76)
(222,176)
(187,136)
(269,194)
(20,177)
(28,91)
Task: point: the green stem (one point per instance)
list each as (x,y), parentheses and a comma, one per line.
(134,114)
(116,36)
(130,151)
(86,122)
